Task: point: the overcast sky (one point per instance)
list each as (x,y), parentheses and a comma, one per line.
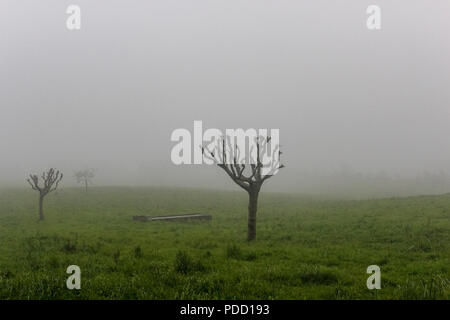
(108,96)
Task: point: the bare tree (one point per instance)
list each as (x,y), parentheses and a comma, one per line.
(249,177)
(51,179)
(85,177)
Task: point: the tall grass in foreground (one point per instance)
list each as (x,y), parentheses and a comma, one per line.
(306,248)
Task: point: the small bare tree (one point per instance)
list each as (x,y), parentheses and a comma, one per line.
(249,177)
(51,179)
(85,177)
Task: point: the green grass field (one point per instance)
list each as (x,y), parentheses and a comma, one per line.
(306,247)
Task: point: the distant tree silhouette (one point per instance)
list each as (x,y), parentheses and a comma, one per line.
(85,176)
(50,179)
(252,179)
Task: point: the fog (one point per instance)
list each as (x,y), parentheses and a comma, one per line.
(358,110)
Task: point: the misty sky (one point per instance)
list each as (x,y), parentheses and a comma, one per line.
(109,95)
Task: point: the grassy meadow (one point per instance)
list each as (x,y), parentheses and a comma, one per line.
(306,247)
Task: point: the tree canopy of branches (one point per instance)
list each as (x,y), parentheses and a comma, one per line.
(249,177)
(85,176)
(50,179)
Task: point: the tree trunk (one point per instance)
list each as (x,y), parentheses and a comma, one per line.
(41,207)
(86,184)
(252,209)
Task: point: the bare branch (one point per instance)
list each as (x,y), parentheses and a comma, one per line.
(50,180)
(235,169)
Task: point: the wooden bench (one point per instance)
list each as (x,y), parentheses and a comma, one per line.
(178,217)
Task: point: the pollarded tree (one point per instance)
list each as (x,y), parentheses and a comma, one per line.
(85,177)
(249,177)
(50,179)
